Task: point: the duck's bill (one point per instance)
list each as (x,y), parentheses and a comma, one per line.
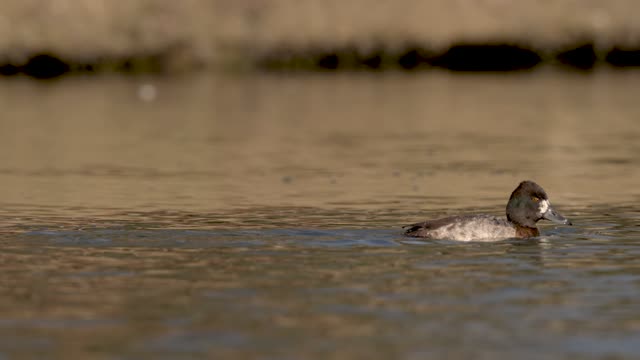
(552,215)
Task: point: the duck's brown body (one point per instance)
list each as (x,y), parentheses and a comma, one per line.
(526,232)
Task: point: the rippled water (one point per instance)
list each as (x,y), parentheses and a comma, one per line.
(259,216)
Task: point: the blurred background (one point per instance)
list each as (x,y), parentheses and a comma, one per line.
(48,38)
(228,179)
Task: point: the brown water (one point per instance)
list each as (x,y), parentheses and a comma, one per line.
(258,216)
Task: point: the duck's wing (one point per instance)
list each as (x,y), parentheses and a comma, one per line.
(423,229)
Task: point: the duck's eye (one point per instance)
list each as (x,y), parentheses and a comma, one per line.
(535,198)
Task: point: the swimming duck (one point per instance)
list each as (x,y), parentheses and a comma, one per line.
(528,204)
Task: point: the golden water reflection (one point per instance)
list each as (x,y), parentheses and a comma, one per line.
(346,140)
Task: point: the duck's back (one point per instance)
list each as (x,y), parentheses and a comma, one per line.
(464,228)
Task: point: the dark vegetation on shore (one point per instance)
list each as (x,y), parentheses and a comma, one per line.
(460,57)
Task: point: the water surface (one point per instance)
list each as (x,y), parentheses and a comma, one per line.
(259,216)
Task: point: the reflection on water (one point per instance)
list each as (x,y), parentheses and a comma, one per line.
(356,141)
(258,216)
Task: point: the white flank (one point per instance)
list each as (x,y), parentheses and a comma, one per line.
(477,228)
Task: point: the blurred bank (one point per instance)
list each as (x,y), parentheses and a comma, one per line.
(47,38)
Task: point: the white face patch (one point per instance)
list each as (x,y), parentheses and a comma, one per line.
(544,206)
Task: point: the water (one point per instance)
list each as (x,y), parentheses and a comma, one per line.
(259,216)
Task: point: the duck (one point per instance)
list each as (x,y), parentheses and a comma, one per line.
(527,205)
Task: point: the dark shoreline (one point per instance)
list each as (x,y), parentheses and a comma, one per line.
(47,39)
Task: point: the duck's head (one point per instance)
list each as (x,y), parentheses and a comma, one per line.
(529,203)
